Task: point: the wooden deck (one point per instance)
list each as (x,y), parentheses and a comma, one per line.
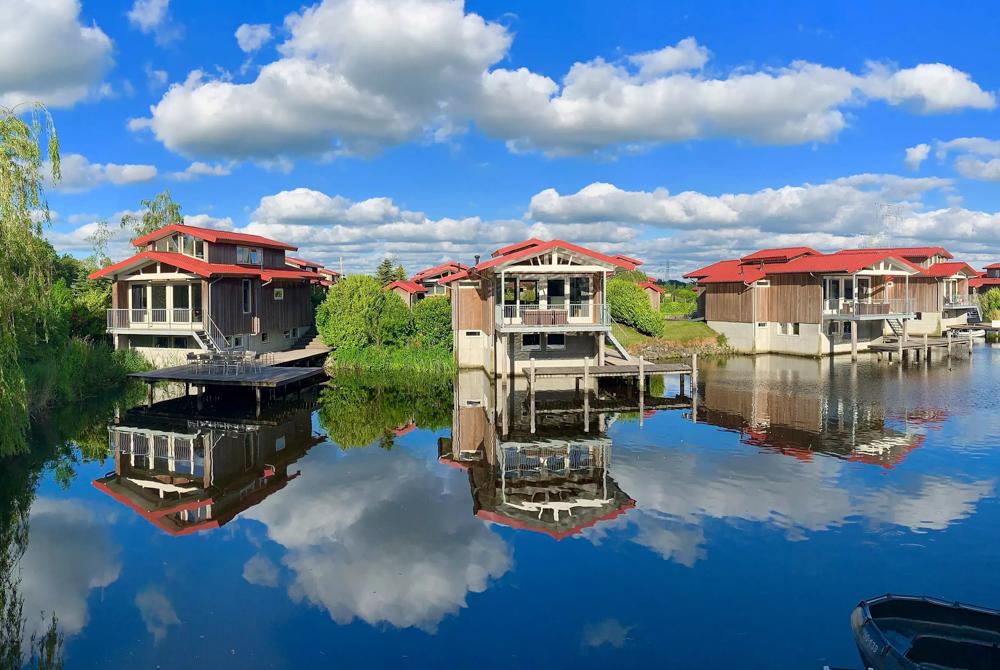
(273,376)
(621,370)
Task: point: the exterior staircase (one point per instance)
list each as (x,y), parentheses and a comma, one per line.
(311,340)
(896,326)
(618,346)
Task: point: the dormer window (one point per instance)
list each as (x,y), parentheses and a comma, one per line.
(192,246)
(248,255)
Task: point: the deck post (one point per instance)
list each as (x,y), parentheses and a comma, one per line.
(642,409)
(854,342)
(680,379)
(642,374)
(899,343)
(586,411)
(586,374)
(694,387)
(531,391)
(149,394)
(927,350)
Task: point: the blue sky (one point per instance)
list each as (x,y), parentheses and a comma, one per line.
(429,129)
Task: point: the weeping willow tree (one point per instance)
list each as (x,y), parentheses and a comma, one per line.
(28,148)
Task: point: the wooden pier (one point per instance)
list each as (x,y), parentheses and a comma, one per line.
(921,348)
(640,370)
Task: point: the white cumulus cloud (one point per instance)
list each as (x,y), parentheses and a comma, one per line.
(251,37)
(916,155)
(357,76)
(79,174)
(48,54)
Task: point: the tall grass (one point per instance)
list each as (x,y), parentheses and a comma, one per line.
(393,361)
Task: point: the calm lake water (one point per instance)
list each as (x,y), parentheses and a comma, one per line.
(359,526)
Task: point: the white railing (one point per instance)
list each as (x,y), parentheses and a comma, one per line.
(582,313)
(959,301)
(154,318)
(867,307)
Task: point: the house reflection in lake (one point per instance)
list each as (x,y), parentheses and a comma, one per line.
(185,472)
(541,466)
(802,407)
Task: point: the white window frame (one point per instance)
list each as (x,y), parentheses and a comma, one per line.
(247,255)
(246,296)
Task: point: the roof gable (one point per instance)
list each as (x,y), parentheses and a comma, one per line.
(405,285)
(778,254)
(211,235)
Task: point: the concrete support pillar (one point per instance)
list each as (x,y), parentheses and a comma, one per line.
(149,394)
(642,374)
(854,342)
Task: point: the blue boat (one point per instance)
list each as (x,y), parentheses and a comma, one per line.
(919,633)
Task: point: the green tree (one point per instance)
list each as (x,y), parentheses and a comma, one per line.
(399,273)
(25,264)
(385,273)
(989,304)
(349,316)
(432,317)
(160,211)
(629,305)
(634,276)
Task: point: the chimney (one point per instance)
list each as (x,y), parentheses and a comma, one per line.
(477,259)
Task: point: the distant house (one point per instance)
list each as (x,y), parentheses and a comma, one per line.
(324,277)
(653,292)
(534,300)
(430,277)
(984,281)
(409,291)
(798,300)
(190,289)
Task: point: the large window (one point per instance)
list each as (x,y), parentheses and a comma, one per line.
(247,296)
(531,341)
(248,255)
(579,289)
(527,291)
(555,341)
(556,291)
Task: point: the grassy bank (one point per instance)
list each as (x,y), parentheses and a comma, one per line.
(408,360)
(680,338)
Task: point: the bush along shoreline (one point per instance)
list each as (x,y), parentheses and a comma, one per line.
(372,330)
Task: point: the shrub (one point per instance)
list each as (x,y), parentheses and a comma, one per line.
(634,276)
(349,316)
(432,318)
(629,305)
(685,295)
(395,322)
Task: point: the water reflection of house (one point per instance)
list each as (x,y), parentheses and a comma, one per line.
(553,480)
(183,472)
(801,407)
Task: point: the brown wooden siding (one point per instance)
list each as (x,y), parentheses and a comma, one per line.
(729,302)
(294,310)
(792,299)
(922,290)
(227,306)
(274,258)
(119,295)
(471,312)
(226,253)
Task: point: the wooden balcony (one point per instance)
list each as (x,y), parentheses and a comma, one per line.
(865,309)
(181,320)
(564,318)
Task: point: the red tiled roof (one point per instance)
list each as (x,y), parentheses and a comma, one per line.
(517,246)
(408,286)
(652,285)
(905,252)
(525,250)
(707,270)
(779,254)
(949,268)
(443,268)
(627,259)
(301,262)
(839,262)
(212,235)
(993,266)
(984,281)
(267,274)
(200,267)
(193,265)
(726,272)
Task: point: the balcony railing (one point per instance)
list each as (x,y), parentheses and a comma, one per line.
(570,314)
(958,301)
(867,307)
(184,319)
